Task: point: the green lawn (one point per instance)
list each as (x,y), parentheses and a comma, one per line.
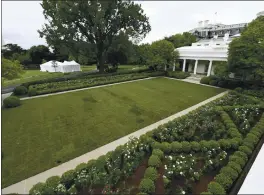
(58,128)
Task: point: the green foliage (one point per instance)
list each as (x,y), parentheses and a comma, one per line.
(10,69)
(151,173)
(178,75)
(158,153)
(213,82)
(237,160)
(180,40)
(32,91)
(221,69)
(206,193)
(20,90)
(224,180)
(72,190)
(166,147)
(37,188)
(245,53)
(239,89)
(228,171)
(242,155)
(11,102)
(52,183)
(186,146)
(147,185)
(154,161)
(245,149)
(216,188)
(205,80)
(103,24)
(67,178)
(195,146)
(235,166)
(176,147)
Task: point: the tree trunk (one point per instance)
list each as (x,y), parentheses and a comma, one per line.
(100,61)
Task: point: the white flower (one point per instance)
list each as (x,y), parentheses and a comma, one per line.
(210,161)
(190,154)
(173,166)
(183,192)
(164,176)
(181,173)
(170,157)
(193,160)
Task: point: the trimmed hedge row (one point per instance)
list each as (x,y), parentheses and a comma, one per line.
(229,174)
(80,83)
(178,74)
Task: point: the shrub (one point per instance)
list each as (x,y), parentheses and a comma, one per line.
(166,182)
(213,82)
(142,193)
(235,166)
(67,178)
(213,144)
(186,146)
(165,147)
(235,142)
(228,171)
(239,89)
(242,155)
(52,183)
(151,173)
(32,91)
(205,193)
(224,180)
(225,144)
(20,90)
(154,161)
(245,149)
(237,160)
(205,80)
(222,83)
(216,188)
(176,147)
(158,153)
(37,188)
(72,190)
(80,167)
(147,185)
(178,75)
(195,146)
(11,102)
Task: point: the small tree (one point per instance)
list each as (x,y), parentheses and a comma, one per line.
(54,64)
(11,69)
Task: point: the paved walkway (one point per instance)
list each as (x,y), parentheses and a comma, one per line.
(24,186)
(253,183)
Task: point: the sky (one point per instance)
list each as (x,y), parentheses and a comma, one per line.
(22,19)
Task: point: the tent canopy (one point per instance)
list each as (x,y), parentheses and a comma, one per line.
(55,66)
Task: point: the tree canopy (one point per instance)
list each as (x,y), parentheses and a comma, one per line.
(246,53)
(10,69)
(95,22)
(180,40)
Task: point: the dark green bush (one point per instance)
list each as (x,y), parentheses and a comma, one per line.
(224,180)
(154,161)
(158,153)
(195,146)
(239,89)
(216,188)
(67,178)
(151,173)
(176,147)
(11,102)
(242,155)
(205,80)
(52,183)
(147,185)
(32,91)
(20,90)
(225,144)
(166,147)
(186,146)
(178,75)
(213,82)
(72,190)
(37,188)
(245,149)
(228,171)
(235,166)
(222,83)
(237,160)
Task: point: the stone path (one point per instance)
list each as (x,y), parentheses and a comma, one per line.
(24,186)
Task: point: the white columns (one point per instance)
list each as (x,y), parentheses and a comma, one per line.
(195,66)
(173,66)
(165,68)
(209,68)
(184,64)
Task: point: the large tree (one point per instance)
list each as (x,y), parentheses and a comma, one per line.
(180,40)
(10,49)
(38,53)
(246,53)
(95,22)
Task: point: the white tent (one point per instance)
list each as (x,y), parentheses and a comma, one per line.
(54,66)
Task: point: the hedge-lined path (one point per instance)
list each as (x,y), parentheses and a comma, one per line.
(70,91)
(24,186)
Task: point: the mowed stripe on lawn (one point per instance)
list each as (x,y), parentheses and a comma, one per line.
(44,132)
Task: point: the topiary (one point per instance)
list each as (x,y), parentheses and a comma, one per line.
(151,173)
(147,185)
(37,188)
(20,90)
(245,149)
(228,171)
(235,166)
(11,102)
(32,91)
(237,160)
(224,180)
(186,146)
(225,144)
(67,178)
(158,153)
(216,188)
(195,146)
(213,82)
(52,182)
(205,80)
(242,155)
(154,161)
(176,147)
(165,147)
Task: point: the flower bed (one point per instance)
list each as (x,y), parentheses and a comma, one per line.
(52,87)
(206,150)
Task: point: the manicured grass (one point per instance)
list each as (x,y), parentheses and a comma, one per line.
(44,131)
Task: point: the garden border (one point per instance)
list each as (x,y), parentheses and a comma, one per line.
(24,186)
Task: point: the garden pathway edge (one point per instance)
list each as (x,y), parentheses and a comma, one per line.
(24,186)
